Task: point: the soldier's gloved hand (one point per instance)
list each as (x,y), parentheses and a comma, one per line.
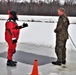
(55,31)
(14,40)
(24,25)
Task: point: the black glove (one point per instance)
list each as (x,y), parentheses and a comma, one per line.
(24,25)
(14,40)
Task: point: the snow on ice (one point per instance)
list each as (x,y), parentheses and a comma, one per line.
(40,30)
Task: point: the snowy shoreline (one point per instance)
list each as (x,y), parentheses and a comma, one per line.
(45,19)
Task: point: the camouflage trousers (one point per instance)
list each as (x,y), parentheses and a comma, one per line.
(60,49)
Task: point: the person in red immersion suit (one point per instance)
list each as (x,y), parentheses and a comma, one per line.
(12,31)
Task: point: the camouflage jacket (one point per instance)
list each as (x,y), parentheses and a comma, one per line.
(62,27)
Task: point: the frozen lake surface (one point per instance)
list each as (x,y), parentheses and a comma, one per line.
(27,53)
(37,42)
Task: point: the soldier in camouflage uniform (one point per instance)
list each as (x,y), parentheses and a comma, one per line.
(61,37)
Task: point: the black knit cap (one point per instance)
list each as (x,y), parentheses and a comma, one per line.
(14,14)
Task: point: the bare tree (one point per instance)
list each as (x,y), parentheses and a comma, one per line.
(69,1)
(47,1)
(8,1)
(31,1)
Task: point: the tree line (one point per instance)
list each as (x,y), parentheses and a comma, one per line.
(41,8)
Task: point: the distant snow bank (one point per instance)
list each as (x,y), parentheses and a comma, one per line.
(40,30)
(30,18)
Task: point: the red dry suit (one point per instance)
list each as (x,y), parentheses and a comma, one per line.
(11,32)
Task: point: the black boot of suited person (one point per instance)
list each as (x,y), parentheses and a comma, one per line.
(11,63)
(14,61)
